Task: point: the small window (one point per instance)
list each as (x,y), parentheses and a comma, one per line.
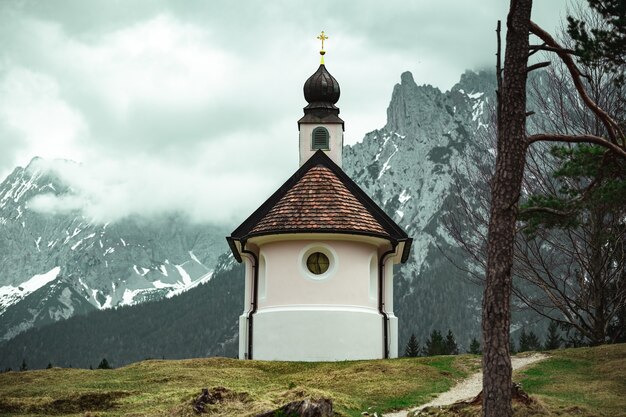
(320,139)
(317,263)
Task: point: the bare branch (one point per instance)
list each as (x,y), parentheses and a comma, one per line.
(538,65)
(544,210)
(611,125)
(598,140)
(533,51)
(498,72)
(544,47)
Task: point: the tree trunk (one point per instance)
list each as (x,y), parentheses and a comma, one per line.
(505,190)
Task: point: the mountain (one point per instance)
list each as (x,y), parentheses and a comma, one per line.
(197,323)
(53,266)
(417,167)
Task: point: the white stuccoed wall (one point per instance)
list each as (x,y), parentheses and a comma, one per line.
(332,317)
(335,143)
(317,333)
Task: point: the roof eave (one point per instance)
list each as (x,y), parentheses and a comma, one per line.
(396,233)
(233,247)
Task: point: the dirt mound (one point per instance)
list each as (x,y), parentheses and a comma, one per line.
(74,403)
(217,396)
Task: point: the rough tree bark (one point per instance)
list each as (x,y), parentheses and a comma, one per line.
(505,192)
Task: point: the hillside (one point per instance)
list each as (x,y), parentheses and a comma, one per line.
(56,265)
(196,323)
(584,381)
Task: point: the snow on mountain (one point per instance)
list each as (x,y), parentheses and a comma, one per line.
(10,295)
(106,265)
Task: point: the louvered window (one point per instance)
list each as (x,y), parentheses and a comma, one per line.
(320,139)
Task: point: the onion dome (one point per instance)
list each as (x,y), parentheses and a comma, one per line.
(321,88)
(321,91)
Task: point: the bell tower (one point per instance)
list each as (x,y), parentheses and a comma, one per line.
(321,127)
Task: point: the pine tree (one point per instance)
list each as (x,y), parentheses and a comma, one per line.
(506,183)
(412,347)
(24,367)
(435,345)
(474,347)
(533,341)
(553,340)
(523,341)
(451,346)
(90,367)
(602,47)
(104,364)
(49,365)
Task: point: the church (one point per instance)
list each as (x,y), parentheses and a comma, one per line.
(319,253)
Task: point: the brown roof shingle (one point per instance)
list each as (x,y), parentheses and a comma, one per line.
(319,197)
(319,201)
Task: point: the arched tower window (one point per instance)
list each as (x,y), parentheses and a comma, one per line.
(320,138)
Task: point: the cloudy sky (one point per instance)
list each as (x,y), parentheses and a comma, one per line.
(192,106)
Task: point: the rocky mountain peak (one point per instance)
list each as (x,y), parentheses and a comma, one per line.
(473,82)
(413,168)
(413,107)
(406,78)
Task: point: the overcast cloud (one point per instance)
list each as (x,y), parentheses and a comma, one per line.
(192,106)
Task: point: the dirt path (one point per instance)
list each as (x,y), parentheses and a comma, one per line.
(470,387)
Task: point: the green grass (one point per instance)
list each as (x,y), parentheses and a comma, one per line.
(587,382)
(164,388)
(584,381)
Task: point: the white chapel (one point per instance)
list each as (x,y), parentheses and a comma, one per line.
(319,254)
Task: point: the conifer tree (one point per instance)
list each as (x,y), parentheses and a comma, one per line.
(533,341)
(451,346)
(49,365)
(412,347)
(553,340)
(523,341)
(474,347)
(435,345)
(605,46)
(23,367)
(104,364)
(512,347)
(506,184)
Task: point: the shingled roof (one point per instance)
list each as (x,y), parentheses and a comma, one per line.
(320,198)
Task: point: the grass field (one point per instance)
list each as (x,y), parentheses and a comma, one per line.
(573,382)
(164,388)
(581,382)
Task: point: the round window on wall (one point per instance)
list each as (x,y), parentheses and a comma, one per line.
(317,263)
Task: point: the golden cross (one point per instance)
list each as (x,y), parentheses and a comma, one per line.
(322,37)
